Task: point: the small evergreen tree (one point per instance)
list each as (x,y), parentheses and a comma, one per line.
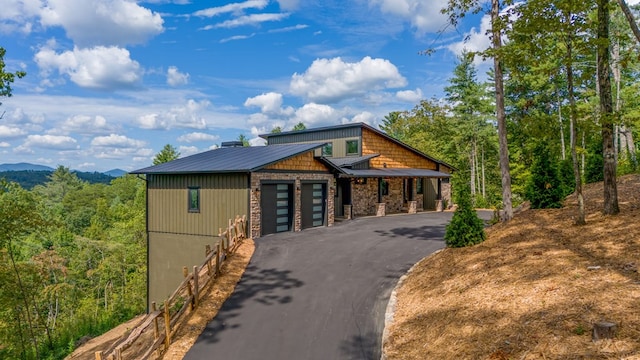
(567,180)
(544,189)
(168,153)
(594,163)
(465,228)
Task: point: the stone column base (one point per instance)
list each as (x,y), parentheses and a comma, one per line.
(439,205)
(347,212)
(412,207)
(381,209)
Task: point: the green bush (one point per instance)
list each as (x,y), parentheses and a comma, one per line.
(465,228)
(544,189)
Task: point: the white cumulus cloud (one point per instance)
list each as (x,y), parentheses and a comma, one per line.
(102,22)
(424,16)
(197,136)
(269,103)
(52,142)
(314,115)
(410,96)
(83,124)
(475,39)
(7,132)
(175,77)
(188,115)
(103,68)
(332,80)
(253,19)
(117,141)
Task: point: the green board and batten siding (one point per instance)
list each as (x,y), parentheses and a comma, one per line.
(337,137)
(178,237)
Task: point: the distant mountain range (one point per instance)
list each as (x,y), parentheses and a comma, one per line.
(35,167)
(30,175)
(24,167)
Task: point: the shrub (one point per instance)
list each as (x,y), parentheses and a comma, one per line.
(544,189)
(465,228)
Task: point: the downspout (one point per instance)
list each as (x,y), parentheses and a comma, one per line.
(146,217)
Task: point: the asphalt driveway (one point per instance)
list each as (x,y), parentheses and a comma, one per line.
(320,293)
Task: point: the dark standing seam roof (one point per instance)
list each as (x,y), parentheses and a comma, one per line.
(232,159)
(349,161)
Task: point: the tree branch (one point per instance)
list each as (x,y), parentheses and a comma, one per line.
(632,21)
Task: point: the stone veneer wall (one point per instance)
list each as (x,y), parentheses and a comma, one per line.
(365,197)
(256,214)
(446,194)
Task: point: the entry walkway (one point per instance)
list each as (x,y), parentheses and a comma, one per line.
(320,293)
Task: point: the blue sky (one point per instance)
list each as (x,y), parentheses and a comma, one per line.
(110,82)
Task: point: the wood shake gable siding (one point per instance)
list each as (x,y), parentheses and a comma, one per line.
(302,162)
(391,153)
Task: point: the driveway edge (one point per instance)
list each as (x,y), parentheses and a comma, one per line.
(391,305)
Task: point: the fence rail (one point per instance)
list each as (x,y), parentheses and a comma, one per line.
(166,320)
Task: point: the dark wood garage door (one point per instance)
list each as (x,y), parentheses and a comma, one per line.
(276,202)
(313,201)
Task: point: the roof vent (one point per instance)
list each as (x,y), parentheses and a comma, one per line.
(226,144)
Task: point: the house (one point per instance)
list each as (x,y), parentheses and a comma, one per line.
(300,180)
(375,173)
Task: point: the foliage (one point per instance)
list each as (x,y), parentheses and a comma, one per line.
(243,139)
(168,153)
(72,262)
(276,130)
(299,126)
(544,189)
(7,78)
(594,164)
(465,228)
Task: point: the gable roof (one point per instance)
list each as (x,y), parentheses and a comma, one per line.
(231,159)
(359,125)
(349,161)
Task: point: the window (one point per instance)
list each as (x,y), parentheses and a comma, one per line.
(194,199)
(327,150)
(352,147)
(384,187)
(419,186)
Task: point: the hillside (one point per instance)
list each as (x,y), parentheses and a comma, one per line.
(30,178)
(532,290)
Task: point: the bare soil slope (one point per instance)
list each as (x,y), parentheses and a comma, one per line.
(532,290)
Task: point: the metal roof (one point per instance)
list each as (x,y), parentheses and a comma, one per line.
(349,161)
(394,172)
(231,159)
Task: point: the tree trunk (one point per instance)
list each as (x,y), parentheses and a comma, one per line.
(564,150)
(484,190)
(606,111)
(629,15)
(472,177)
(501,116)
(580,216)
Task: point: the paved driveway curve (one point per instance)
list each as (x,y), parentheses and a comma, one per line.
(320,293)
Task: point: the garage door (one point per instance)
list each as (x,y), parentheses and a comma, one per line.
(276,202)
(313,201)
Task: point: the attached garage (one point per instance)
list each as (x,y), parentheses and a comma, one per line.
(313,204)
(276,202)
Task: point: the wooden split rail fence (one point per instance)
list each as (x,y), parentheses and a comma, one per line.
(166,320)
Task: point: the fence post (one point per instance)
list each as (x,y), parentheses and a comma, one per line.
(167,325)
(156,331)
(196,291)
(219,250)
(208,251)
(185,273)
(98,355)
(118,354)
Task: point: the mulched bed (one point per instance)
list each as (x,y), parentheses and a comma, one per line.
(532,290)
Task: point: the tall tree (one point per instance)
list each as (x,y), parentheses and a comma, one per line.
(606,109)
(471,108)
(243,139)
(456,9)
(168,153)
